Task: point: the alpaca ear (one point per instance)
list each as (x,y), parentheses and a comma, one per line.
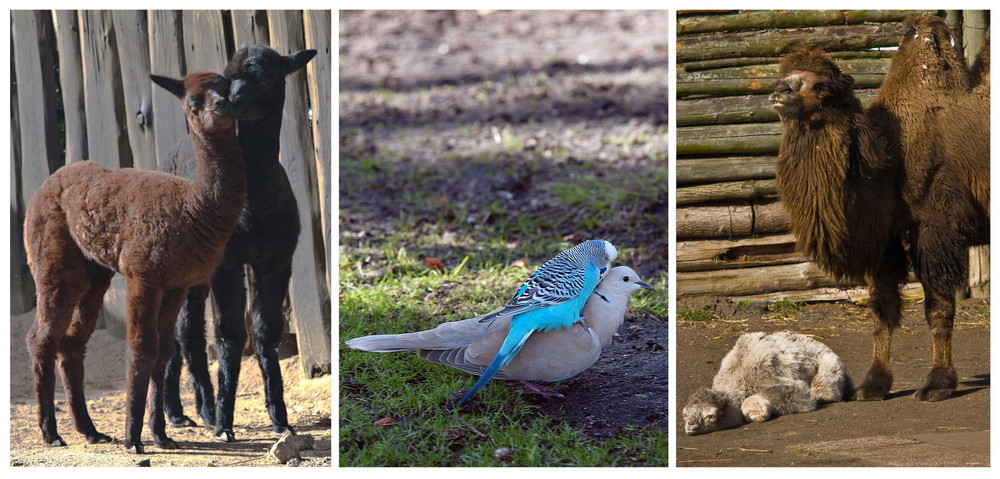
(298,60)
(173,86)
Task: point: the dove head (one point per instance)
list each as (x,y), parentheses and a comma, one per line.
(621,282)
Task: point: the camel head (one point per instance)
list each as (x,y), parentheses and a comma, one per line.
(809,82)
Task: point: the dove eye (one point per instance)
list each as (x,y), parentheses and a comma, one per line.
(625,279)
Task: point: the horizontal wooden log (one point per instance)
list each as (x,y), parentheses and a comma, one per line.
(771,42)
(731,221)
(737,109)
(708,255)
(733,190)
(770,19)
(912,293)
(887,52)
(737,139)
(747,281)
(710,170)
(761,79)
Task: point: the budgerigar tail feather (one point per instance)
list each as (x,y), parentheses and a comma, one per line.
(510,347)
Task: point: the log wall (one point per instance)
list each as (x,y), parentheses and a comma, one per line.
(85,75)
(732,232)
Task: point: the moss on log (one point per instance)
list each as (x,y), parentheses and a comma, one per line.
(770,43)
(764,19)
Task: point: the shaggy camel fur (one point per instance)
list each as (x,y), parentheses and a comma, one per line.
(265,239)
(765,376)
(162,232)
(867,210)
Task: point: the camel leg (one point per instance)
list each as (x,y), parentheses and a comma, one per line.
(191,347)
(939,310)
(267,296)
(73,349)
(143,313)
(778,400)
(230,337)
(885,306)
(171,305)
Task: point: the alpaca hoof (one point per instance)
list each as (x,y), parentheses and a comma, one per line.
(932,395)
(182,421)
(225,435)
(55,442)
(281,430)
(98,438)
(134,448)
(166,443)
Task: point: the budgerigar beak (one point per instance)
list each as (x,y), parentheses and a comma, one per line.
(644,285)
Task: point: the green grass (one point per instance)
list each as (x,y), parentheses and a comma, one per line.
(695,315)
(785,307)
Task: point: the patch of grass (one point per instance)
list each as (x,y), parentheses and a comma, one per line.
(743,302)
(785,307)
(695,315)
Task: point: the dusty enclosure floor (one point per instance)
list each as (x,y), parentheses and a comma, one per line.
(898,431)
(308,400)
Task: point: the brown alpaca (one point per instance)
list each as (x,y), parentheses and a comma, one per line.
(871,193)
(162,232)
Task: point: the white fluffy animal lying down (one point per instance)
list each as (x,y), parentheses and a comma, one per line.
(764,376)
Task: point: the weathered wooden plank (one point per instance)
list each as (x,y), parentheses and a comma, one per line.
(706,255)
(250,28)
(131,30)
(735,139)
(33,58)
(911,292)
(731,221)
(710,170)
(733,190)
(737,109)
(979,271)
(973,32)
(22,285)
(776,42)
(166,58)
(71,83)
(747,281)
(748,61)
(317,26)
(204,41)
(309,294)
(867,73)
(107,138)
(770,19)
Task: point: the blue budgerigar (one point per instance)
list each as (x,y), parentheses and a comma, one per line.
(551,299)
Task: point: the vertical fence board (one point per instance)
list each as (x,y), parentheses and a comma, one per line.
(71,83)
(204,41)
(22,287)
(310,298)
(132,31)
(33,58)
(317,27)
(250,28)
(166,58)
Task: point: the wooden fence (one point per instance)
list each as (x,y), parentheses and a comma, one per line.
(732,232)
(81,90)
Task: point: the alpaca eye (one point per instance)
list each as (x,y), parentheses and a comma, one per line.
(193,104)
(625,279)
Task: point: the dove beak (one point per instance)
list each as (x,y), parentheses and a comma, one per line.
(643,284)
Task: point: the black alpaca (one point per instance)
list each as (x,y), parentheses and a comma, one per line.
(264,239)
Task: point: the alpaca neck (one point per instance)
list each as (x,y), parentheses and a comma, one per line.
(220,184)
(260,140)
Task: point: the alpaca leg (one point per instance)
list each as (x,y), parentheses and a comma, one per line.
(230,337)
(191,347)
(885,306)
(942,379)
(73,349)
(143,310)
(267,297)
(171,305)
(830,380)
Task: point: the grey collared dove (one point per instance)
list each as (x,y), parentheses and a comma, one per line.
(549,356)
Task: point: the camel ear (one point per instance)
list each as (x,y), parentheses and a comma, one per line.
(173,86)
(842,82)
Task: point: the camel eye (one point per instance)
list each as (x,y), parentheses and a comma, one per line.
(625,279)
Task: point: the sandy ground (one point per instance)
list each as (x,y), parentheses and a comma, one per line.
(898,431)
(309,411)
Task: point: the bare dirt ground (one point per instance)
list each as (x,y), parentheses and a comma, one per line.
(898,431)
(309,411)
